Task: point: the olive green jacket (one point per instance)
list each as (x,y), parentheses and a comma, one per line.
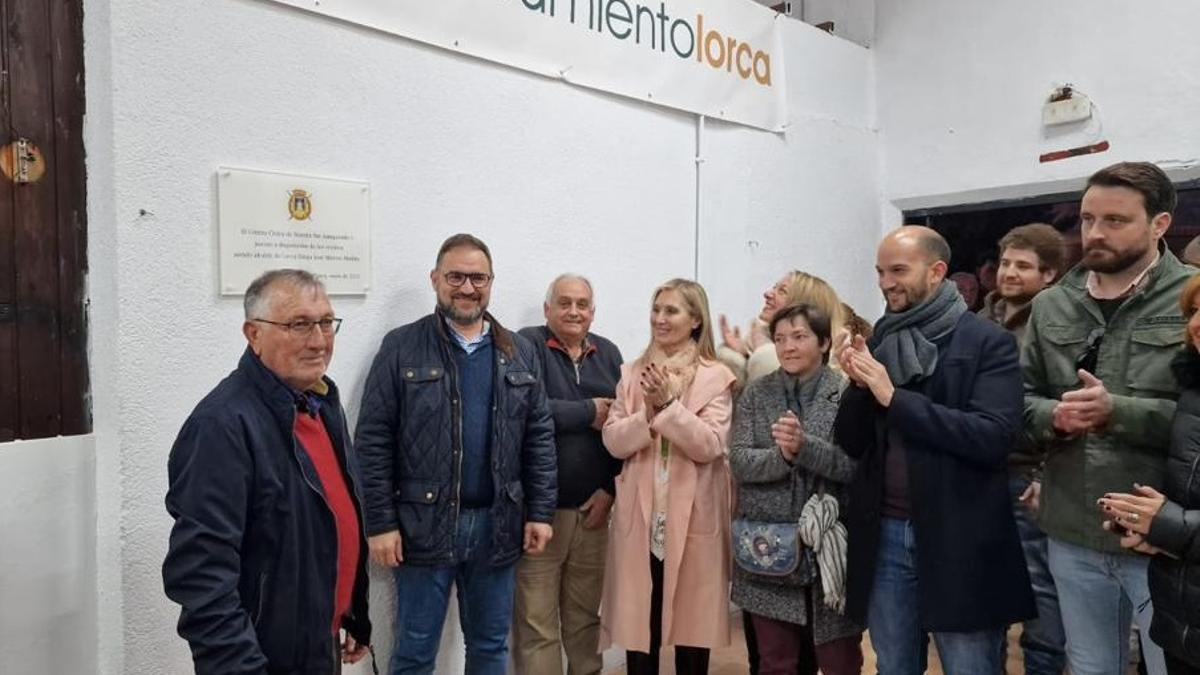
(1135,354)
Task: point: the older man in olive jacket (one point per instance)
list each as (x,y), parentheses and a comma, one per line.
(1100,394)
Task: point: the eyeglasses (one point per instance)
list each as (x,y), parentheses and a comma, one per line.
(477,279)
(303,328)
(1090,356)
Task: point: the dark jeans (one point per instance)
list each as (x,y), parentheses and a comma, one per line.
(688,660)
(780,645)
(896,632)
(485,604)
(808,656)
(1042,639)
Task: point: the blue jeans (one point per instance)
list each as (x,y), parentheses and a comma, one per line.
(1100,593)
(894,624)
(485,604)
(1042,639)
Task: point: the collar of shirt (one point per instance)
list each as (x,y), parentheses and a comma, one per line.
(1136,284)
(469,345)
(310,400)
(553,343)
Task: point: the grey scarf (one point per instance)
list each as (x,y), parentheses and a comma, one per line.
(904,341)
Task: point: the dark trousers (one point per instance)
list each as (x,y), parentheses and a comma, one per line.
(688,660)
(1177,666)
(1042,638)
(782,644)
(806,662)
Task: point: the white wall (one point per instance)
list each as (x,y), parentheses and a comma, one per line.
(48,556)
(554,178)
(853,20)
(772,203)
(961,85)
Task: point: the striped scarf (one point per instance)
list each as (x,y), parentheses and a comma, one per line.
(821,531)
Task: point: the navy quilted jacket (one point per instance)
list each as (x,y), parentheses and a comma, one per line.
(409,441)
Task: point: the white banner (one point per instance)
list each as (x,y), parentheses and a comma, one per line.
(720,58)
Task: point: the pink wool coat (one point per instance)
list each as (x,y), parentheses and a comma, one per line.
(696,568)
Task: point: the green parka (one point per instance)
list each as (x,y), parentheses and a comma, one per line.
(1134,362)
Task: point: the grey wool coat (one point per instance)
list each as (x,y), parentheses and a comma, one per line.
(765,483)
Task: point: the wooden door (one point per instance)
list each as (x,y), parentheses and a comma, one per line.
(43,223)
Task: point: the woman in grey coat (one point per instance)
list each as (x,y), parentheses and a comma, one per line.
(781,453)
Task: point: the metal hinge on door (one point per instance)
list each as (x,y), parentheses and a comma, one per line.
(22,162)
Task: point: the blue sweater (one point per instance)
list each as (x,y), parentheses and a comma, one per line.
(475,379)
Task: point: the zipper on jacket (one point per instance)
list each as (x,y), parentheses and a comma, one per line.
(324,500)
(364,550)
(576,364)
(1181,577)
(1181,582)
(457,443)
(262,599)
(1191,481)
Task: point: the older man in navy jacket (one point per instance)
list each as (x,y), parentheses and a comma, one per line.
(268,554)
(932,413)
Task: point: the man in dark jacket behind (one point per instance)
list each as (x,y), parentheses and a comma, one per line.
(1031,258)
(558,591)
(268,556)
(457,448)
(931,416)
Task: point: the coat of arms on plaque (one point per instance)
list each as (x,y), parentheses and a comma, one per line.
(299,204)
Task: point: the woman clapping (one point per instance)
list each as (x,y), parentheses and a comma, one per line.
(666,581)
(789,542)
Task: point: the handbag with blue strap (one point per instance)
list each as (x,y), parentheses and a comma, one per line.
(773,551)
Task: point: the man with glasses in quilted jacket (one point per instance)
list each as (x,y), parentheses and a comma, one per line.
(459,465)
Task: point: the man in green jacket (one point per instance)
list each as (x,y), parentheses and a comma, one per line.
(1100,395)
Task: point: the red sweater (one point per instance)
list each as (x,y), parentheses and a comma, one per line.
(311,433)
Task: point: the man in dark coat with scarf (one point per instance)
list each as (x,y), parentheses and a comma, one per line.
(931,416)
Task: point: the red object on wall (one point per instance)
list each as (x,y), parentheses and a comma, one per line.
(1074,152)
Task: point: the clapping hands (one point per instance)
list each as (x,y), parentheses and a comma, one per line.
(653,381)
(863,369)
(788,433)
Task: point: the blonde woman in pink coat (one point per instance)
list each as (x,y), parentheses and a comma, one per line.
(666,581)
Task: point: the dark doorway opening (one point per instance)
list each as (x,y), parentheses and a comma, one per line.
(974,230)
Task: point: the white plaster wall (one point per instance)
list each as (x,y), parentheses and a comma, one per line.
(103,328)
(807,199)
(853,20)
(48,556)
(961,86)
(554,178)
